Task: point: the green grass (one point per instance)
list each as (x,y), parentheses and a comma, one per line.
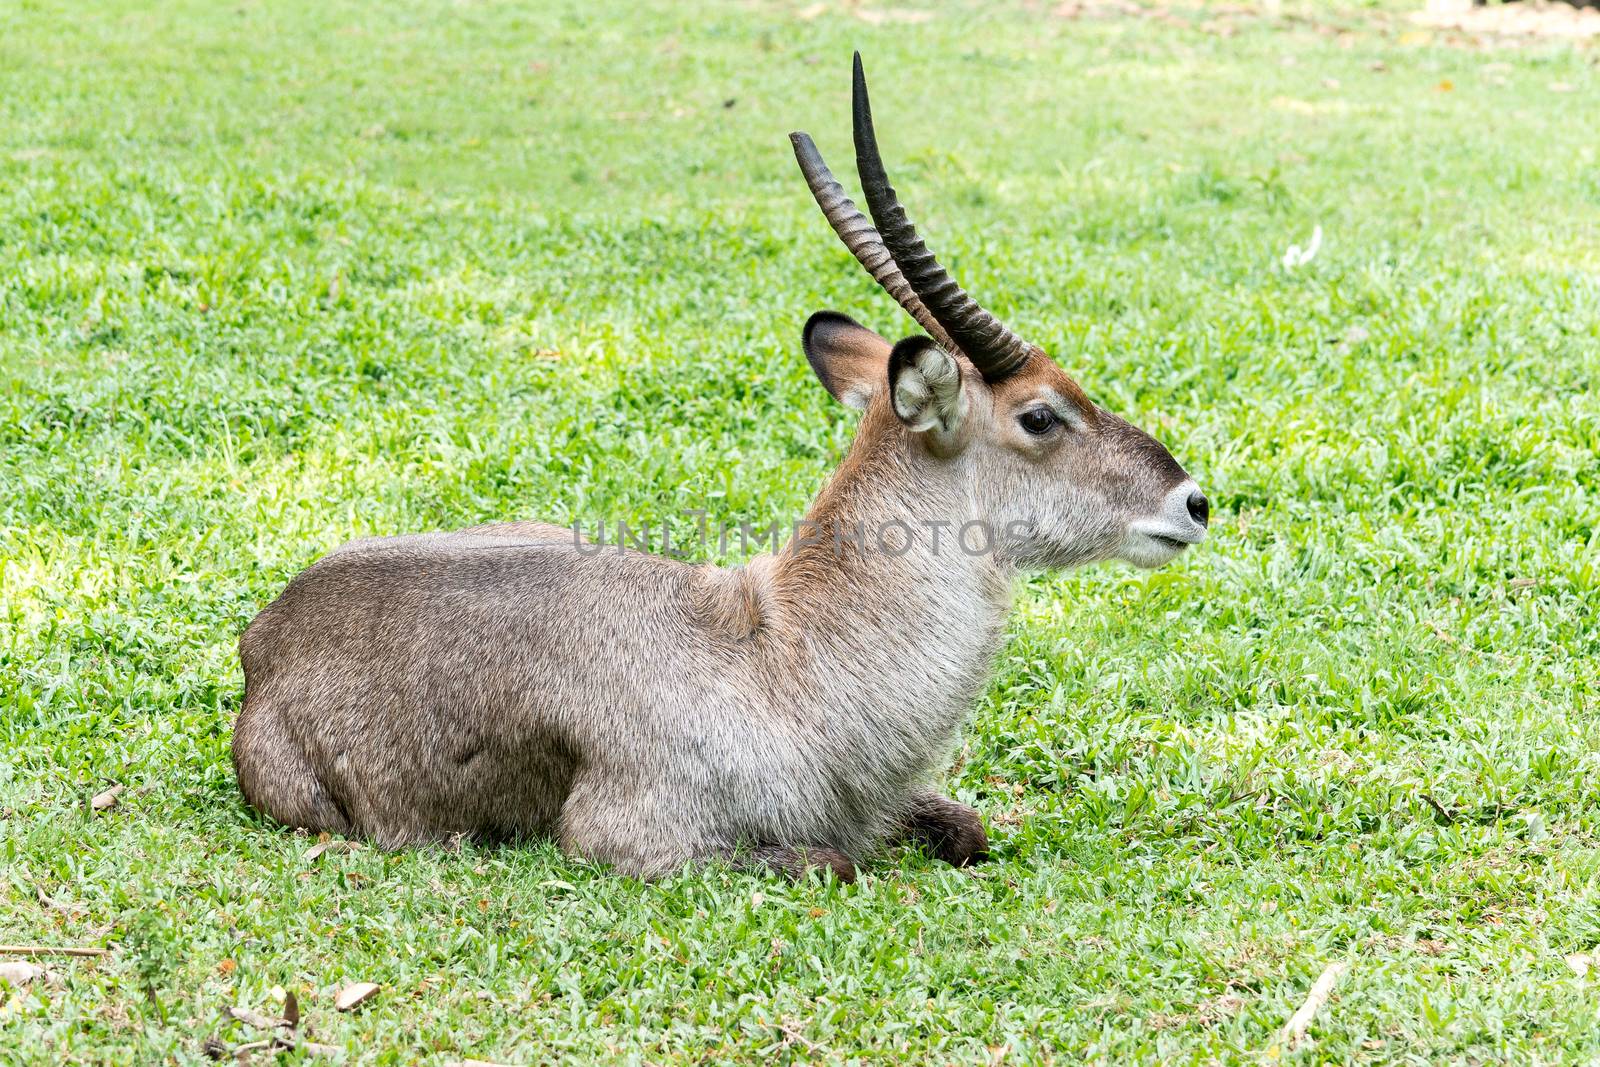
(276,276)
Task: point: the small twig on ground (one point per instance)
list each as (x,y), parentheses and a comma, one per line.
(50,950)
(51,902)
(221,1050)
(278,1043)
(790,1032)
(255,1018)
(1300,1021)
(1235,798)
(1444,812)
(253,1046)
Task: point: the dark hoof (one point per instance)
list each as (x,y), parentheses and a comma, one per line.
(951,832)
(968,846)
(832,859)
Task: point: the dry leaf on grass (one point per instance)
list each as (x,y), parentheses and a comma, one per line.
(106,799)
(218,1049)
(20,974)
(354,995)
(317,850)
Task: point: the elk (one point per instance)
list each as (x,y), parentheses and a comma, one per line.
(506,682)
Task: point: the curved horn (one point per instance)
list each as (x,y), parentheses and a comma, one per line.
(994,350)
(861,237)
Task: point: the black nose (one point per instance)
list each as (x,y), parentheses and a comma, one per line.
(1199,508)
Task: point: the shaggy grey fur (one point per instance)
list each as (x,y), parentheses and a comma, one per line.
(498,682)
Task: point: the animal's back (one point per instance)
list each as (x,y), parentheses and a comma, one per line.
(407,688)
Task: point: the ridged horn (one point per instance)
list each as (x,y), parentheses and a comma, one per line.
(986,341)
(861,237)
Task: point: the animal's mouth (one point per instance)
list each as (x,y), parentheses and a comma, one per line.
(1144,547)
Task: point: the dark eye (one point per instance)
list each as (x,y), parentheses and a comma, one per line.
(1037,420)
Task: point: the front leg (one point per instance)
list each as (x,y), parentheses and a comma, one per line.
(948,830)
(794,863)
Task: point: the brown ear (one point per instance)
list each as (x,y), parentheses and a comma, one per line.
(850,360)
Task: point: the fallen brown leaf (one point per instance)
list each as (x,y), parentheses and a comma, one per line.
(354,995)
(316,851)
(20,974)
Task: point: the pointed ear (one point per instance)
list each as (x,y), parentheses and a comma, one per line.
(847,357)
(925,386)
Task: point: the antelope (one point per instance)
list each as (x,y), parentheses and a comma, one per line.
(508,682)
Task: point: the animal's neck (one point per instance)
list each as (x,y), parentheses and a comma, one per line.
(897,615)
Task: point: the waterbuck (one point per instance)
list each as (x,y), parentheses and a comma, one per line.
(509,681)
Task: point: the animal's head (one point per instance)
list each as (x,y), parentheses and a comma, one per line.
(1060,480)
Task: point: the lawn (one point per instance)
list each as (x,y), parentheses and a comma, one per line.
(273,276)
